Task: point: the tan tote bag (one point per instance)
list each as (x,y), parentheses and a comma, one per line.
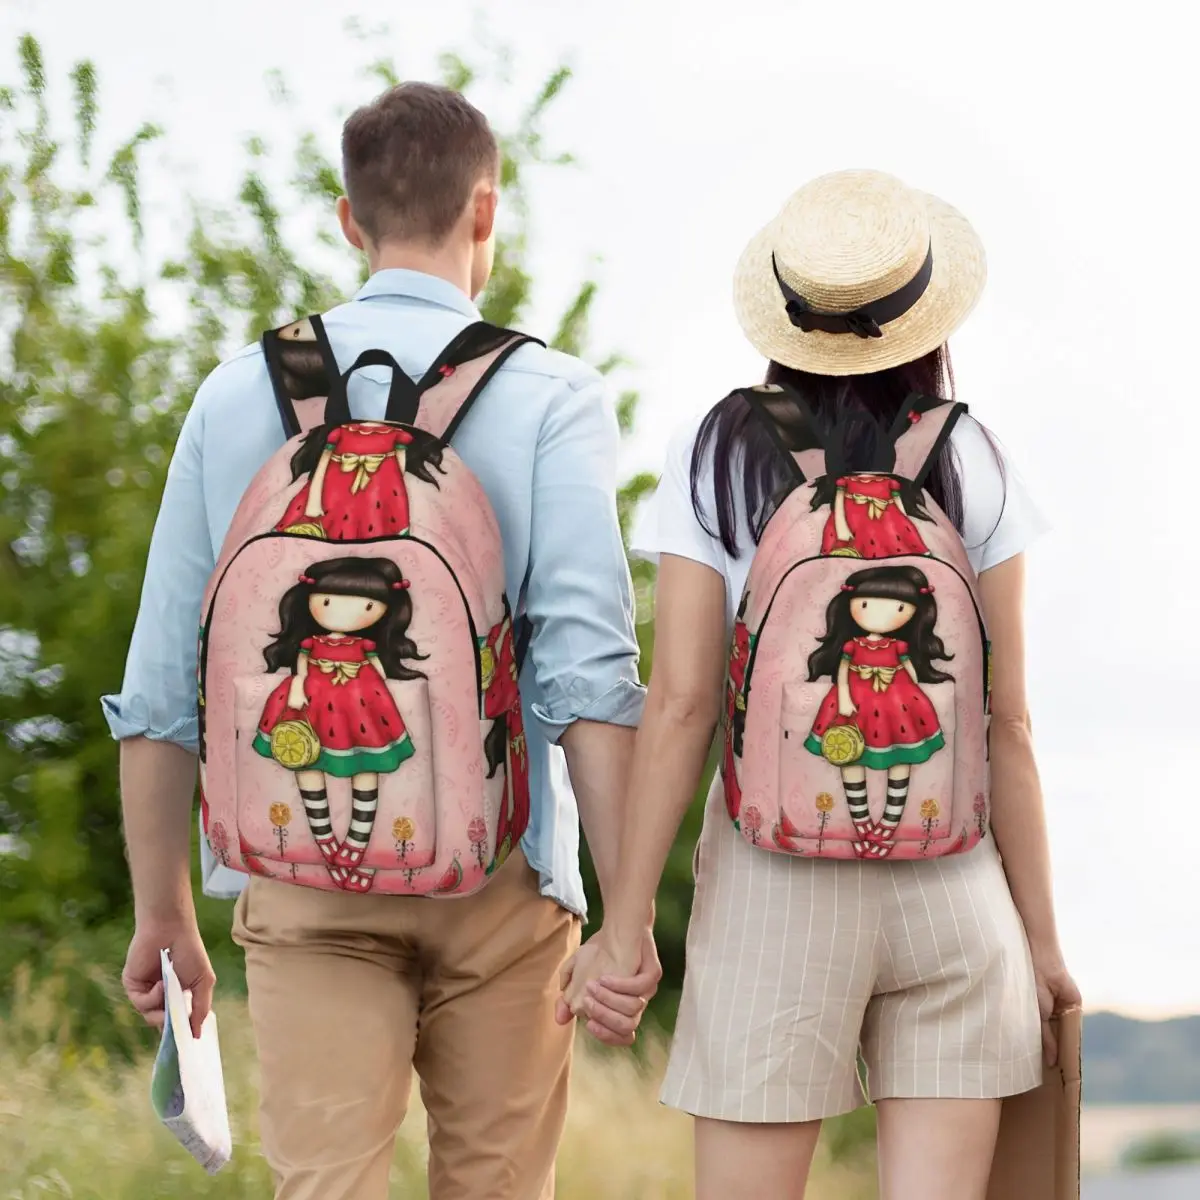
(1037,1153)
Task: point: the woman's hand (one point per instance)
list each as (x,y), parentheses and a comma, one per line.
(296,697)
(609,987)
(314,510)
(846,706)
(1056,993)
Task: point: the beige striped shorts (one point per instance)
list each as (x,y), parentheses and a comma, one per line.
(795,967)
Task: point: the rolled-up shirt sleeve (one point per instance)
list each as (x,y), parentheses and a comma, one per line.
(579,596)
(158,696)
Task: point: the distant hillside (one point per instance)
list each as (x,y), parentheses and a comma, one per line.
(1140,1062)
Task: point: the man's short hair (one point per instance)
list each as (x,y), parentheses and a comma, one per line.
(410,160)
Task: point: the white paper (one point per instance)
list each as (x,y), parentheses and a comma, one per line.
(187,1089)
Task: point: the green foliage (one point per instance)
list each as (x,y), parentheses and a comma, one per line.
(93,387)
(1162,1149)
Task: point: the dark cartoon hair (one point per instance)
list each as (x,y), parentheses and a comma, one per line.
(854,413)
(495,745)
(422,455)
(905,584)
(377,579)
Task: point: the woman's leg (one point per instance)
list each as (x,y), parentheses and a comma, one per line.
(738,1161)
(936,1149)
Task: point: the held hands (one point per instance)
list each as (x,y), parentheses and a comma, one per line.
(609,987)
(1056,992)
(142,977)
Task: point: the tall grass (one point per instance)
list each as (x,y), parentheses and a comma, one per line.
(76,1123)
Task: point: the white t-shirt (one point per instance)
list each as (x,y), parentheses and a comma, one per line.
(999,518)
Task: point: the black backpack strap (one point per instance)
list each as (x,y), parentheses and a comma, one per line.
(786,417)
(458,376)
(302,369)
(922,429)
(403,394)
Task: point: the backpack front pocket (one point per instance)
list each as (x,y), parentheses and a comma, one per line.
(336,770)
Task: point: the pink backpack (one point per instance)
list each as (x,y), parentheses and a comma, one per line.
(360,718)
(857,697)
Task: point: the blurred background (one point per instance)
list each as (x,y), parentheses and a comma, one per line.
(167,175)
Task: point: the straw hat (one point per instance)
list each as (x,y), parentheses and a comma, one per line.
(858,273)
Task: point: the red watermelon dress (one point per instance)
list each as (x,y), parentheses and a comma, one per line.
(502,701)
(879,528)
(735,690)
(363,494)
(349,708)
(895,717)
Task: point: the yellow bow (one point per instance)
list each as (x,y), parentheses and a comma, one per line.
(880,677)
(875,506)
(364,464)
(342,672)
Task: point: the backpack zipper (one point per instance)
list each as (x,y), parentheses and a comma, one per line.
(259,537)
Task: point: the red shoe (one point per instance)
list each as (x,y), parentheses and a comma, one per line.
(881,841)
(329,848)
(348,856)
(866,831)
(359,881)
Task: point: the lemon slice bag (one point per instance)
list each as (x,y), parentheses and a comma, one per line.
(858,689)
(360,711)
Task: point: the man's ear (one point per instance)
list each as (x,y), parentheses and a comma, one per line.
(486,199)
(350,229)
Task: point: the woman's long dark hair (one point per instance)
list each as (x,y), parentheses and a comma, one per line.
(854,414)
(422,456)
(905,584)
(372,578)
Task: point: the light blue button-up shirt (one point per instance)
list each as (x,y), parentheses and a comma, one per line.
(543,441)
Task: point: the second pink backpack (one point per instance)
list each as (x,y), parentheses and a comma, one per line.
(857,694)
(360,716)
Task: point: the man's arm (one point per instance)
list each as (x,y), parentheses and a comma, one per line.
(155,719)
(579,598)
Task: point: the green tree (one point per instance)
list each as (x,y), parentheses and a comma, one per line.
(94,385)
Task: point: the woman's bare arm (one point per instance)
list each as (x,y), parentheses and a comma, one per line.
(683,704)
(1018,814)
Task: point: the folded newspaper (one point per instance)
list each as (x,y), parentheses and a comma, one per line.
(188,1089)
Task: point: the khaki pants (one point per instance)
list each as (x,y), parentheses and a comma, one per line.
(349,993)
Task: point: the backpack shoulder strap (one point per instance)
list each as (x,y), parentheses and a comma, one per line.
(922,429)
(785,416)
(304,375)
(459,375)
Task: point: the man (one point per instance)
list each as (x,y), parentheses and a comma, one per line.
(349,992)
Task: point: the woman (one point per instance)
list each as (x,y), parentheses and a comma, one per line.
(935,970)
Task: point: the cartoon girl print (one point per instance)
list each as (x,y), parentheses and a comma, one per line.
(880,645)
(871,516)
(735,709)
(505,742)
(356,487)
(343,634)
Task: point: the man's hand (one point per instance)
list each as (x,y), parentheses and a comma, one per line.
(142,977)
(610,989)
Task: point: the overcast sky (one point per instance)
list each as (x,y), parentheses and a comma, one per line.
(1066,137)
